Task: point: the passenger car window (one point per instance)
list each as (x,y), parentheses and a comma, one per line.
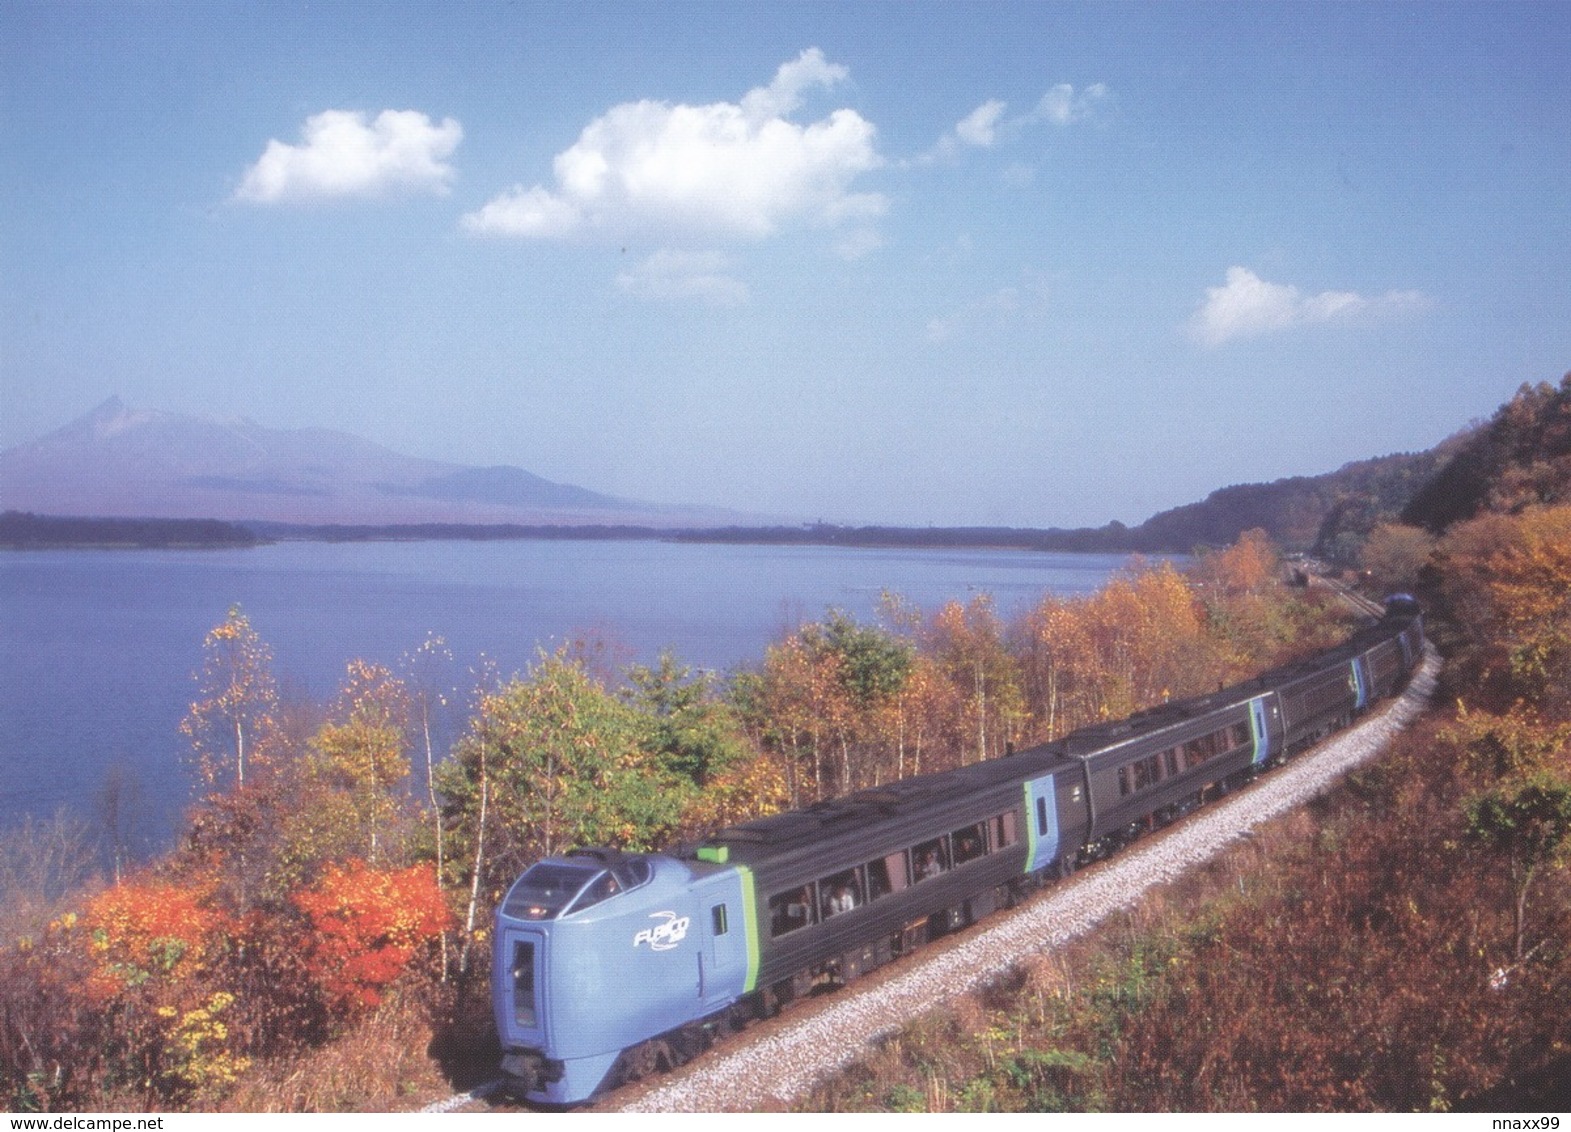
(931,858)
(840,892)
(791,911)
(969,843)
(1004,829)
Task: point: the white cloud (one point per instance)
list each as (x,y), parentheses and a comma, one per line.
(739,169)
(1062,106)
(1248,306)
(674,276)
(985,127)
(980,127)
(342,155)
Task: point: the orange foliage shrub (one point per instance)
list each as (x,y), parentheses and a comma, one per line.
(368,926)
(150,930)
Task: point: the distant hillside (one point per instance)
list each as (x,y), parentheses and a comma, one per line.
(1327,515)
(305,483)
(20,531)
(1521,457)
(117,461)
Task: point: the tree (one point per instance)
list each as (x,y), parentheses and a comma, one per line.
(967,642)
(368,926)
(362,752)
(426,671)
(552,759)
(231,723)
(871,667)
(1506,581)
(1394,555)
(235,730)
(797,703)
(695,734)
(155,946)
(1527,823)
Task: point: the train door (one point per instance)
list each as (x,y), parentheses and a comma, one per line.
(1041,824)
(723,913)
(1263,711)
(519,986)
(1360,682)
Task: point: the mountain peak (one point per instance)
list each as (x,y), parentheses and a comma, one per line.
(119,461)
(114,416)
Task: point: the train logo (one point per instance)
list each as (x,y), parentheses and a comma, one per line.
(665,935)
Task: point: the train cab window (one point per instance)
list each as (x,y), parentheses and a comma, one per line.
(1004,829)
(840,892)
(604,886)
(612,882)
(931,858)
(717,917)
(544,890)
(969,843)
(791,911)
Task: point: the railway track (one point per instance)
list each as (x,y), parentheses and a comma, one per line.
(779,1061)
(1357,600)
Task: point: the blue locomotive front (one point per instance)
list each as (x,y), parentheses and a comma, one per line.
(598,951)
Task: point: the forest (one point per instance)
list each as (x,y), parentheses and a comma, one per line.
(317,940)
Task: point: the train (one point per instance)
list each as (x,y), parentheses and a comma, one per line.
(607,965)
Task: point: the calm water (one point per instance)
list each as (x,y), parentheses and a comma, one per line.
(99,647)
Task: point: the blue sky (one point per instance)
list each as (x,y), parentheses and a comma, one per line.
(1034,264)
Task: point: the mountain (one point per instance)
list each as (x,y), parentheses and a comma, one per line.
(119,461)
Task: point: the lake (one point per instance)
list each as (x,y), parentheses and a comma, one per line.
(100,647)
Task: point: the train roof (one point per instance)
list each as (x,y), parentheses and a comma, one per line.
(898,799)
(781,833)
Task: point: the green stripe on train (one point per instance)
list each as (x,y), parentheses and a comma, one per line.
(750,920)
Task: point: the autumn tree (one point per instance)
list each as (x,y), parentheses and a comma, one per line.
(362,752)
(1507,586)
(967,641)
(235,734)
(427,674)
(230,725)
(1394,556)
(796,705)
(346,796)
(155,945)
(871,666)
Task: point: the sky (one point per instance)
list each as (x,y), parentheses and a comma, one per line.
(1034,264)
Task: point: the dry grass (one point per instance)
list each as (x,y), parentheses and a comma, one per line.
(383,1064)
